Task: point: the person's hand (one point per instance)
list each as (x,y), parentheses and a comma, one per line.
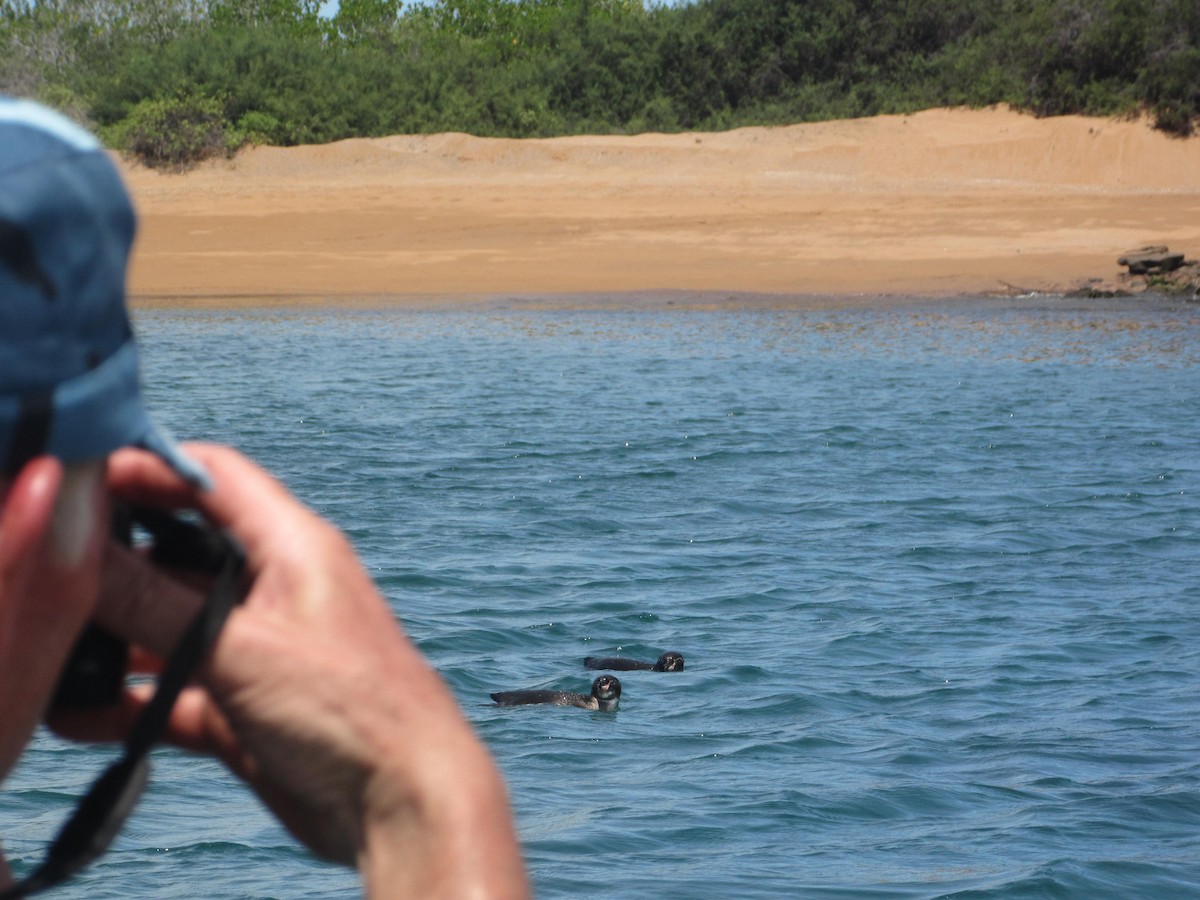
(50,545)
(313,694)
(51,536)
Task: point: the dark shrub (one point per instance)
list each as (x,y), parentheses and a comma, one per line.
(174,134)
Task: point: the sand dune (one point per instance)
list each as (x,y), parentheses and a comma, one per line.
(940,202)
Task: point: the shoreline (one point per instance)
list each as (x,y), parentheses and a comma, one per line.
(557,301)
(661,302)
(941,203)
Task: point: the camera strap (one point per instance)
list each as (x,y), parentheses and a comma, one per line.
(107,804)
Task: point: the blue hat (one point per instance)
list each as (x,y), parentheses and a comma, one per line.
(69,376)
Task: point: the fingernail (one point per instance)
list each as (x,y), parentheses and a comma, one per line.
(76,512)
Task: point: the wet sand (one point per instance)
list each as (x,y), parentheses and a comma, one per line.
(940,203)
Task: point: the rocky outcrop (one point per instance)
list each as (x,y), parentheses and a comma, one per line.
(1157,270)
(1184,280)
(1153,260)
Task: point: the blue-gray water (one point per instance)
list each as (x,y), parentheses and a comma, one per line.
(934,568)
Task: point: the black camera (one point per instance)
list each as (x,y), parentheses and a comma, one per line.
(95,671)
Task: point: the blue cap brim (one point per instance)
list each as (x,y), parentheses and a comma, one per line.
(102,410)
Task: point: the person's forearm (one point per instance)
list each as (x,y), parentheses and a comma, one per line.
(437,822)
(455,841)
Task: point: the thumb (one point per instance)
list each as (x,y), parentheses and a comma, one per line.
(50,538)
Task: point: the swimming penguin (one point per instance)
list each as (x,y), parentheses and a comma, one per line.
(606,693)
(668,662)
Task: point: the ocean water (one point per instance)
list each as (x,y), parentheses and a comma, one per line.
(934,567)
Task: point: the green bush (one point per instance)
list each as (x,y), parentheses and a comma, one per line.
(1174,89)
(257,127)
(174,134)
(517,68)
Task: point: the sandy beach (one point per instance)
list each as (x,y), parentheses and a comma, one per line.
(943,202)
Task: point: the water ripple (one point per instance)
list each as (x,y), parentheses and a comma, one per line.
(932,567)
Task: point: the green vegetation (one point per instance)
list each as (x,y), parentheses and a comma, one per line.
(174,81)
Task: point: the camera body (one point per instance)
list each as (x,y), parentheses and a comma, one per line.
(95,671)
(94,674)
